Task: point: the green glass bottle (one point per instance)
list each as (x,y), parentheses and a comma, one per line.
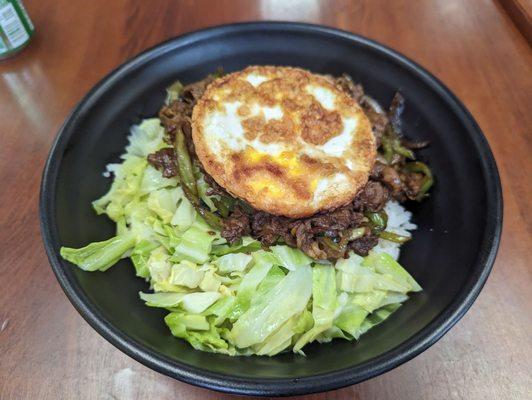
(16,28)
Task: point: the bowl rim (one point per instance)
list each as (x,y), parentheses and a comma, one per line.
(278,386)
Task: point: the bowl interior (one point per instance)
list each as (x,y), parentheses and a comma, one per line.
(443,257)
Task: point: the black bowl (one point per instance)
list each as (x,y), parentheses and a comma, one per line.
(451,255)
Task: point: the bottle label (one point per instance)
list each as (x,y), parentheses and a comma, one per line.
(12,27)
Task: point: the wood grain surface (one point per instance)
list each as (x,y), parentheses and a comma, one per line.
(47,351)
(520,11)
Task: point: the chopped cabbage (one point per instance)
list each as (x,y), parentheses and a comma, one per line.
(233,262)
(234,299)
(99,256)
(286,299)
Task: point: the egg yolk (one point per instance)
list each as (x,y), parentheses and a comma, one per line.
(267,185)
(287,159)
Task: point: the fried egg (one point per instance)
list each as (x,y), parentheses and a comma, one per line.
(285,140)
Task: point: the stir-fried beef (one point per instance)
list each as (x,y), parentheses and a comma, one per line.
(326,235)
(378,122)
(236,226)
(333,222)
(306,242)
(372,197)
(363,245)
(164,160)
(401,185)
(391,178)
(270,228)
(178,114)
(396,109)
(412,183)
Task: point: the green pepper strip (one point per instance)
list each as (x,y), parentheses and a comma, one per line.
(190,196)
(428,181)
(327,241)
(394,237)
(357,233)
(391,144)
(339,247)
(221,206)
(401,150)
(386,143)
(228,201)
(188,182)
(378,221)
(226,204)
(212,219)
(184,165)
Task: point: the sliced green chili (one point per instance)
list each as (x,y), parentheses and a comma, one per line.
(387,148)
(394,237)
(211,218)
(228,201)
(184,165)
(190,196)
(337,249)
(188,181)
(222,207)
(401,150)
(357,233)
(330,243)
(428,180)
(378,220)
(391,144)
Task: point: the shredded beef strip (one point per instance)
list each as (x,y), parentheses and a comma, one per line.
(378,123)
(269,228)
(236,226)
(363,245)
(386,181)
(373,197)
(396,109)
(164,160)
(178,114)
(306,242)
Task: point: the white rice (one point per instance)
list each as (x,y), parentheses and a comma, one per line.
(110,169)
(398,222)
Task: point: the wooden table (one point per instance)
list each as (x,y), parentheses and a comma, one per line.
(47,351)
